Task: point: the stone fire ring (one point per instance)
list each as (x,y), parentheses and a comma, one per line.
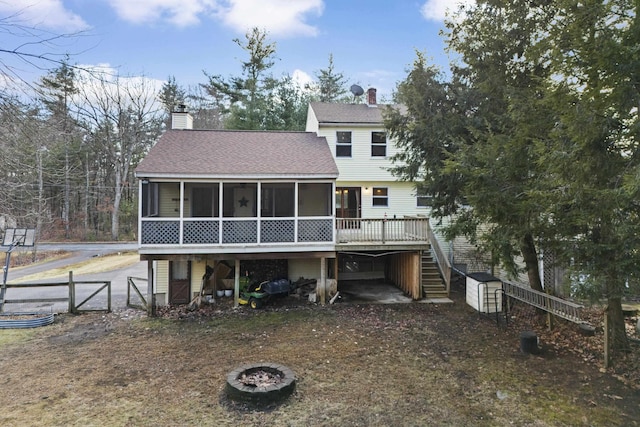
(273,393)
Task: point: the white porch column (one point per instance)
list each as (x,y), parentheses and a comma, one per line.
(236,284)
(322,286)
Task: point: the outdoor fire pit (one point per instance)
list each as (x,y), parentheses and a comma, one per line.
(261,383)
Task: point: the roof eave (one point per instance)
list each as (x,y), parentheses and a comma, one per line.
(235,177)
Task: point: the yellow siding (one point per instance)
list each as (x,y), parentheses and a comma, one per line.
(307,268)
(162,277)
(169,200)
(197,271)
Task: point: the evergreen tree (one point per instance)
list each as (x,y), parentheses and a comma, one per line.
(57,89)
(171,95)
(244,99)
(536,137)
(330,86)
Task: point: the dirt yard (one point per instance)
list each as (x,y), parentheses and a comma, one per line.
(356,365)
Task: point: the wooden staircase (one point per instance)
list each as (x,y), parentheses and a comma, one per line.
(432,284)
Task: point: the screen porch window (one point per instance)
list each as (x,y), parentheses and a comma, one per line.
(380,196)
(343,144)
(150,204)
(278,200)
(378,144)
(204,201)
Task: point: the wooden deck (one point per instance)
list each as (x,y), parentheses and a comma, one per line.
(382,231)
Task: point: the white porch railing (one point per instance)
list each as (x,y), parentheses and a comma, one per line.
(350,230)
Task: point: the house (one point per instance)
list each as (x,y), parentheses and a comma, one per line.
(317,204)
(368,195)
(208,196)
(357,139)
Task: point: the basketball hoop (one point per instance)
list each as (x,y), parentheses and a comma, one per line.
(19,237)
(14,237)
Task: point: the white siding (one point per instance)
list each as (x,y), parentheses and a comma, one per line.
(361,165)
(312,121)
(401,199)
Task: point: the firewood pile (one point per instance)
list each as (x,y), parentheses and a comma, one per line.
(264,270)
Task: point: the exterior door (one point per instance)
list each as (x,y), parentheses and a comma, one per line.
(348,202)
(179,282)
(244,203)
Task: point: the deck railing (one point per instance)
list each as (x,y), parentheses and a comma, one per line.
(382,230)
(441,259)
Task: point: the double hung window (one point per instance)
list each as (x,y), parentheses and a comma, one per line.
(378,144)
(343,144)
(380,196)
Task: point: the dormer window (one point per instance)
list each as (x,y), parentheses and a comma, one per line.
(343,144)
(378,144)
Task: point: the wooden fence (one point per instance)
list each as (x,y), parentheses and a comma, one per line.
(131,285)
(70,298)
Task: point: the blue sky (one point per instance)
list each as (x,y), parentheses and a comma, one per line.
(373,41)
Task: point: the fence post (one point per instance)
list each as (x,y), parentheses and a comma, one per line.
(72,294)
(109,296)
(128,291)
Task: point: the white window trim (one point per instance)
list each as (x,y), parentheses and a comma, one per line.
(374,197)
(344,144)
(380,144)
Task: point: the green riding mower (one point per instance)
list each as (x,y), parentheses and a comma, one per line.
(257,294)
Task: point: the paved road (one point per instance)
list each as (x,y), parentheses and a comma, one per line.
(80,252)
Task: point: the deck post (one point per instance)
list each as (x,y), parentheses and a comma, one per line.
(151,298)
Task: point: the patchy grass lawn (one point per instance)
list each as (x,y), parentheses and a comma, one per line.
(356,365)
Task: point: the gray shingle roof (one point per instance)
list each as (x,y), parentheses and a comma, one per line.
(348,113)
(213,153)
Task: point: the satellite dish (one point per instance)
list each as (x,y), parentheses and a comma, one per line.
(356,90)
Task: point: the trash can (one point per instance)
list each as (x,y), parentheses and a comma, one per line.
(529,342)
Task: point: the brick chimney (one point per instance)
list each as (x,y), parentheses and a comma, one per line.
(371,96)
(181,119)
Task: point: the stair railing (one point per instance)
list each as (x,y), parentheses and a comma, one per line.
(439,256)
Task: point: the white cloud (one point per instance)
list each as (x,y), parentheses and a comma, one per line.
(97,82)
(301,78)
(438,10)
(278,17)
(178,12)
(50,14)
